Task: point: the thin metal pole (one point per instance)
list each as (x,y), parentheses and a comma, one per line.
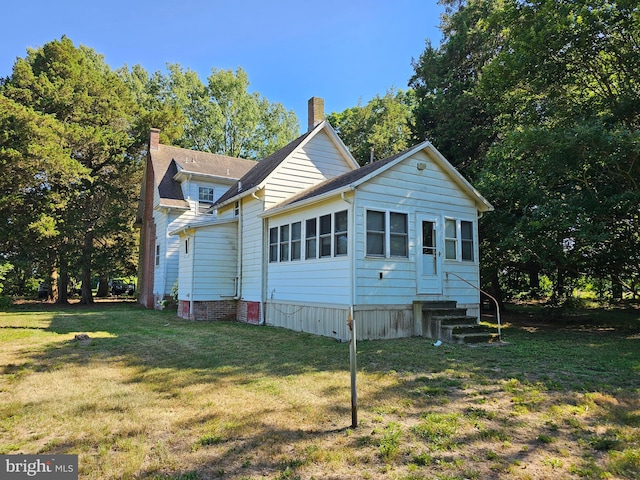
(353,366)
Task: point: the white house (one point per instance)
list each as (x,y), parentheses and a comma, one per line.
(307,236)
(179,187)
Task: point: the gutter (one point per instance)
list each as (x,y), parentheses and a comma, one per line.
(303,203)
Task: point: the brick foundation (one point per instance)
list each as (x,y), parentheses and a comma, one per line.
(207,311)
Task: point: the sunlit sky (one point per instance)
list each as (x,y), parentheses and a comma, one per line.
(344,51)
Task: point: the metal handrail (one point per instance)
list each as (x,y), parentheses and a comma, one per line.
(491,297)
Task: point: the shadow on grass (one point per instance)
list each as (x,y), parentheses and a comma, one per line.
(543,364)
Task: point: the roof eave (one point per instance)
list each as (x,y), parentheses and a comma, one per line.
(308,201)
(186,174)
(195,226)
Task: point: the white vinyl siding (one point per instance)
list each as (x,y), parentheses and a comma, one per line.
(314,279)
(317,161)
(209,246)
(392,280)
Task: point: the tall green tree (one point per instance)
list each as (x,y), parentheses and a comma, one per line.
(221,116)
(542,100)
(383,126)
(95,112)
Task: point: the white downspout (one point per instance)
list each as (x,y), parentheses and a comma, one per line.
(192,251)
(238,292)
(263,293)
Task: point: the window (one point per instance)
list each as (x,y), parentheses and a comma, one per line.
(284,243)
(205,200)
(157,255)
(398,235)
(186,246)
(466,238)
(205,194)
(273,244)
(325,236)
(387,242)
(450,239)
(236,209)
(458,240)
(375,233)
(340,235)
(296,240)
(311,238)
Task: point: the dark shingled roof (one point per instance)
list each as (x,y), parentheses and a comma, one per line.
(168,160)
(257,174)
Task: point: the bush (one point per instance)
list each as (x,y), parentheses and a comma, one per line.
(5,302)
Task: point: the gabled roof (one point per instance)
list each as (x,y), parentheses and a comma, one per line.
(255,177)
(354,178)
(168,161)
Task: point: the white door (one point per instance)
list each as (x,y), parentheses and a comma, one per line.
(429,254)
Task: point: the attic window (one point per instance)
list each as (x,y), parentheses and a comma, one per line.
(205,200)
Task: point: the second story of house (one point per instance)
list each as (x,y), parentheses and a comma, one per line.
(186,183)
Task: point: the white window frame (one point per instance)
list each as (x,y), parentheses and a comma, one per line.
(386,233)
(293,242)
(206,198)
(458,241)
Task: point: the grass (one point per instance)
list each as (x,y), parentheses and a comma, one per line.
(151,396)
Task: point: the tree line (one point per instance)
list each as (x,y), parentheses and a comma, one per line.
(536,102)
(73,138)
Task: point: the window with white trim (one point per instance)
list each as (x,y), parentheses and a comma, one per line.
(450,239)
(284,243)
(466,240)
(458,240)
(340,236)
(311,238)
(205,200)
(157,255)
(296,240)
(273,244)
(387,234)
(324,237)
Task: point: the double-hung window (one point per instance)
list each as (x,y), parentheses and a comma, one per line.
(205,200)
(273,244)
(284,243)
(466,238)
(340,236)
(325,236)
(387,234)
(311,238)
(296,240)
(458,240)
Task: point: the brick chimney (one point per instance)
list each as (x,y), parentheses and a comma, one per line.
(154,138)
(315,111)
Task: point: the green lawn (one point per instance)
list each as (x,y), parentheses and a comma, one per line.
(151,396)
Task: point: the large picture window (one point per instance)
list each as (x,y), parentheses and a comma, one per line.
(387,234)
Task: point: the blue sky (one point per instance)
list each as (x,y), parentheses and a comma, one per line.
(343,51)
